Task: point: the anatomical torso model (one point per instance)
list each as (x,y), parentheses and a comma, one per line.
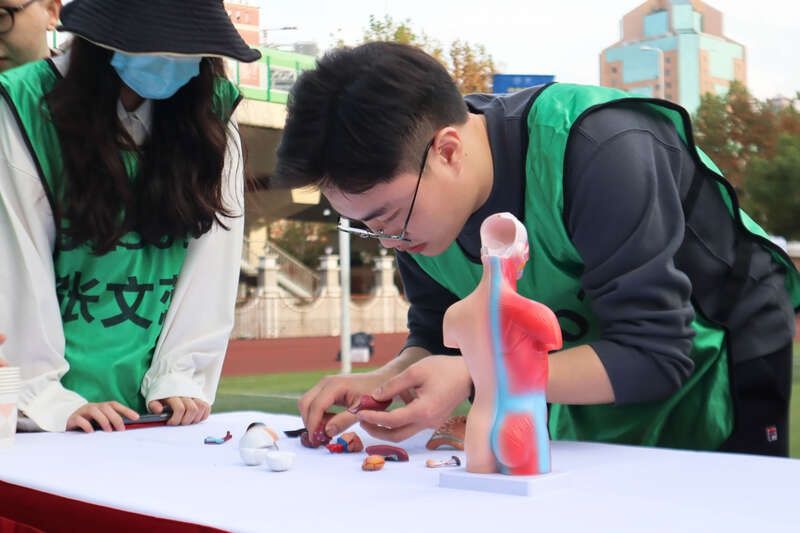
(504,339)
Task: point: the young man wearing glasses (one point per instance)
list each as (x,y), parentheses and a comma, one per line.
(23,30)
(676,311)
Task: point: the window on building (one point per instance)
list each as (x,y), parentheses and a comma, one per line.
(668,96)
(668,85)
(613,70)
(667,59)
(666,72)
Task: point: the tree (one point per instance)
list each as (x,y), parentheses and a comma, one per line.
(712,130)
(386,29)
(735,127)
(757,146)
(306,240)
(469,64)
(773,188)
(789,117)
(471,67)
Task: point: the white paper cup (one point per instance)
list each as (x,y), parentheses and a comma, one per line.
(9,373)
(8,418)
(9,394)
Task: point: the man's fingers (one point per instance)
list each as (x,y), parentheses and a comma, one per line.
(391,435)
(408,396)
(155,407)
(402,416)
(402,382)
(304,403)
(339,423)
(323,400)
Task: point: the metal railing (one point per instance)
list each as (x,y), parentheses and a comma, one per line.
(270,78)
(294,269)
(289,266)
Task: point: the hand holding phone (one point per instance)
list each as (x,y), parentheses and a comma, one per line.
(147,420)
(144,420)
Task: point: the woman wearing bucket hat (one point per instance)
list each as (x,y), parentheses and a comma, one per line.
(121,199)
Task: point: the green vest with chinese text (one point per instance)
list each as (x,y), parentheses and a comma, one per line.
(112,305)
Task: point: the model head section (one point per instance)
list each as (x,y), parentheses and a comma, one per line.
(505,237)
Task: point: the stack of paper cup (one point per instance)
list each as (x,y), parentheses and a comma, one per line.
(9,393)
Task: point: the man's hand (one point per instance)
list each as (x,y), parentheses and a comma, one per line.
(108,416)
(438,384)
(341,390)
(185,410)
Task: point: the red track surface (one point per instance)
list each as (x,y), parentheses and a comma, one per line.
(268,356)
(302,354)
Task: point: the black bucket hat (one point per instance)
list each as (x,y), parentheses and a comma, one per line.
(181,27)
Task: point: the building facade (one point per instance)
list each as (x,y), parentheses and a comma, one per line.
(246,17)
(673,49)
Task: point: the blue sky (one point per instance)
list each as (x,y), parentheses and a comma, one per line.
(561,37)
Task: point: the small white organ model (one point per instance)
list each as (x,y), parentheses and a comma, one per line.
(260,444)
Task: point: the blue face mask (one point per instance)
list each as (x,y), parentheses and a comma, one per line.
(155,77)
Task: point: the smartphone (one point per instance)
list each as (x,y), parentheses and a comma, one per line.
(144,421)
(149,419)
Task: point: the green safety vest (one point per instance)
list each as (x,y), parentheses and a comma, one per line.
(113,305)
(697,416)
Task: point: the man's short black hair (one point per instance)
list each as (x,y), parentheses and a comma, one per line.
(364,115)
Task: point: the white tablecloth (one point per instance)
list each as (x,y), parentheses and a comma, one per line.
(170,473)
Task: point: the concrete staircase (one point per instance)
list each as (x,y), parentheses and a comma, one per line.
(294,278)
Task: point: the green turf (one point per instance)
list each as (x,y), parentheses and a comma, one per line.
(270,383)
(278,393)
(273,393)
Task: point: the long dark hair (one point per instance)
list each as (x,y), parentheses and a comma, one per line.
(177,191)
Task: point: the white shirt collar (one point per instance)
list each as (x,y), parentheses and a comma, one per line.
(137,122)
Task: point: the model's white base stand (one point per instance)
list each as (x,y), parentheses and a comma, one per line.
(496,483)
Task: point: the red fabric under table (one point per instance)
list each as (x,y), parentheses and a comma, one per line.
(24,510)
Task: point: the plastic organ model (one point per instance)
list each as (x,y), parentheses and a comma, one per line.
(504,339)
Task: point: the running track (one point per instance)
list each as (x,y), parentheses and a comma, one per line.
(301,354)
(268,356)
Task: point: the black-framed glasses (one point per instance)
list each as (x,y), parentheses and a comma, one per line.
(7,16)
(366,233)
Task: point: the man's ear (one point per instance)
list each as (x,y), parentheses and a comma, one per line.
(449,146)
